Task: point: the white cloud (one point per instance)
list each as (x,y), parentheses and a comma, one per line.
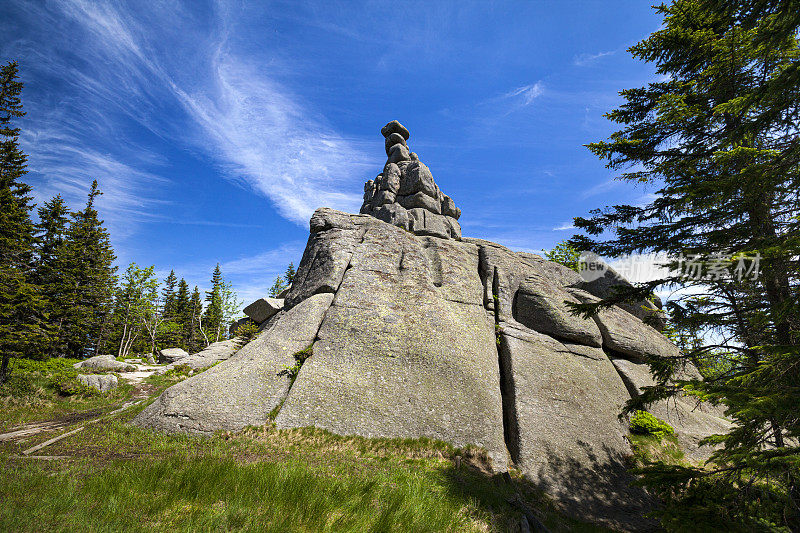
(526,94)
(641,268)
(565,226)
(600,188)
(261,135)
(581,60)
(234,109)
(67,168)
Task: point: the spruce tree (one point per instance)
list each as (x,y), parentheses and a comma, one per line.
(290,274)
(169,331)
(183,314)
(195,336)
(22,310)
(717,138)
(277,287)
(168,294)
(213,315)
(50,265)
(90,278)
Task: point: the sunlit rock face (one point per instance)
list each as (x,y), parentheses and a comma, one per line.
(415,331)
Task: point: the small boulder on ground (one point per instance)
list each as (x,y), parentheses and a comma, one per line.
(101,382)
(214,353)
(104,362)
(170,355)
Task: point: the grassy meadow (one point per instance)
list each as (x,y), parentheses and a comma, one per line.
(112,476)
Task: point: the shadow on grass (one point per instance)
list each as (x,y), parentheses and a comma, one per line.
(564,494)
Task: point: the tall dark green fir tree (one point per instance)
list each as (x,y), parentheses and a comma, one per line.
(169,331)
(212,316)
(50,264)
(194,338)
(717,138)
(91,280)
(21,304)
(183,313)
(168,295)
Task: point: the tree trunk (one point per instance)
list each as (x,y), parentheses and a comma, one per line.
(4,368)
(122,340)
(775,280)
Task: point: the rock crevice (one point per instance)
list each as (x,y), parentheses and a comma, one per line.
(418,332)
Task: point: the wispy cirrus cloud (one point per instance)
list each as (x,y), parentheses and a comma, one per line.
(564,227)
(67,166)
(231,107)
(582,60)
(259,134)
(525,95)
(600,188)
(256,130)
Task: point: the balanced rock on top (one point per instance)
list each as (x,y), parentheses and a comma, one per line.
(405,194)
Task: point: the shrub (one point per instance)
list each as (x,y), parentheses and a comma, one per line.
(566,254)
(246,332)
(34,377)
(644,423)
(300,358)
(44,367)
(178,371)
(29,377)
(67,384)
(18,385)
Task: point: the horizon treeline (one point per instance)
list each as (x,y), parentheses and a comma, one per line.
(60,292)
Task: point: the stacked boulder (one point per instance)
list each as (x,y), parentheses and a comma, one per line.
(209,356)
(405,195)
(263,309)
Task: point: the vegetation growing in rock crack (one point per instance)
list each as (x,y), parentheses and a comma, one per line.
(645,423)
(300,358)
(565,254)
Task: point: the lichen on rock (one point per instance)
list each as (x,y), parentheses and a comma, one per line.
(410,330)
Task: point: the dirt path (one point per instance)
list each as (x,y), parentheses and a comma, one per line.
(142,372)
(141,393)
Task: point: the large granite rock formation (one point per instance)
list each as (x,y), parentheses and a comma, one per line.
(417,332)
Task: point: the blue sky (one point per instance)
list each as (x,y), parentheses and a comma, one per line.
(216,128)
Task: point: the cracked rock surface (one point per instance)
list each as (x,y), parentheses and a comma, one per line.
(459,340)
(417,332)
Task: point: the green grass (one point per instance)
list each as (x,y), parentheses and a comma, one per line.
(40,390)
(652,448)
(123,478)
(213,494)
(119,477)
